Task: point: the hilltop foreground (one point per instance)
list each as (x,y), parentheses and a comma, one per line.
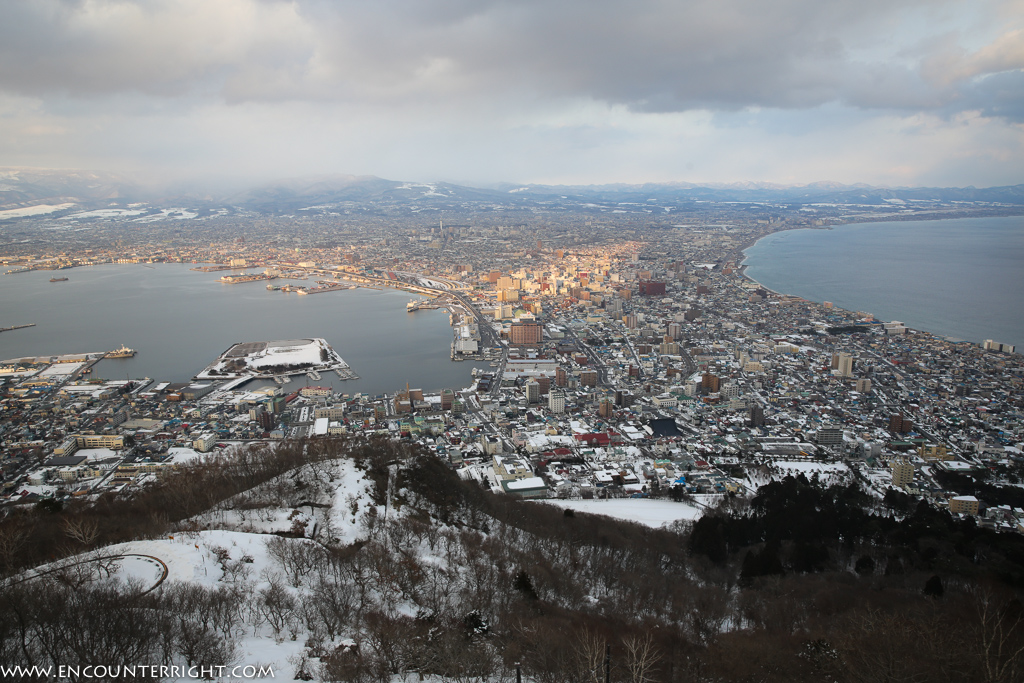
(370,561)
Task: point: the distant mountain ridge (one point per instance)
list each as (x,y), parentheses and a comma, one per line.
(24,187)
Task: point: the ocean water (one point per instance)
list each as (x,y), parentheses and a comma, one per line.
(180,320)
(960,278)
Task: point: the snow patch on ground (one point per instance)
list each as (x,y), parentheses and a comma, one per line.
(653,513)
(37,210)
(104,213)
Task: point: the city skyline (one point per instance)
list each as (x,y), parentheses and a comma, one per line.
(922,94)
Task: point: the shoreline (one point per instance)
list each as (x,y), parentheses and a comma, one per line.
(742,268)
(152,362)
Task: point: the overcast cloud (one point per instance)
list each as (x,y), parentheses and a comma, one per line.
(928,92)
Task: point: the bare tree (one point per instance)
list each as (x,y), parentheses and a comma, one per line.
(296,556)
(589,655)
(275,605)
(82,530)
(11,542)
(1000,635)
(641,658)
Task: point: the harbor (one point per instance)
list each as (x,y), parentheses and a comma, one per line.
(142,306)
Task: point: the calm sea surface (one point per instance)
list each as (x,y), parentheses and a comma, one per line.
(180,320)
(960,278)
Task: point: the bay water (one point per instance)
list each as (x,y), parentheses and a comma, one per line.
(958,278)
(180,320)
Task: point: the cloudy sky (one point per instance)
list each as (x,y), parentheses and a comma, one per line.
(886,92)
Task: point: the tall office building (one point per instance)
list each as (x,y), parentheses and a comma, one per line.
(525,334)
(556,401)
(651,288)
(447,399)
(843,362)
(902,473)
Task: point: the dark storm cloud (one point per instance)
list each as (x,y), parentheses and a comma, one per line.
(650,55)
(1000,95)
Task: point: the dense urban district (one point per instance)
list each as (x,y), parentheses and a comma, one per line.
(628,355)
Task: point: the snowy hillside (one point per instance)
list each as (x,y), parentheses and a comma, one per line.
(350,560)
(322,573)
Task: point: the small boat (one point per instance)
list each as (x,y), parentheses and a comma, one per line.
(58,279)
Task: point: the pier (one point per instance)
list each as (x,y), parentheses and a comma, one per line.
(16,327)
(346,373)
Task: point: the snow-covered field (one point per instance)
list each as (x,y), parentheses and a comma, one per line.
(289,353)
(37,210)
(175,214)
(653,513)
(809,467)
(105,213)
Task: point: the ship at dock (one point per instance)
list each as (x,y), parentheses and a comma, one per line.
(123,352)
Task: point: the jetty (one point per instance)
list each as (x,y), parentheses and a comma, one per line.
(16,327)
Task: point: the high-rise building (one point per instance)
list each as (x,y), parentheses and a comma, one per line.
(990,345)
(588,378)
(525,334)
(561,377)
(556,401)
(532,389)
(830,435)
(902,473)
(845,365)
(900,425)
(447,399)
(843,362)
(668,347)
(606,408)
(710,383)
(757,416)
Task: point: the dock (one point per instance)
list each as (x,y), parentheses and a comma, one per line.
(346,373)
(16,327)
(324,286)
